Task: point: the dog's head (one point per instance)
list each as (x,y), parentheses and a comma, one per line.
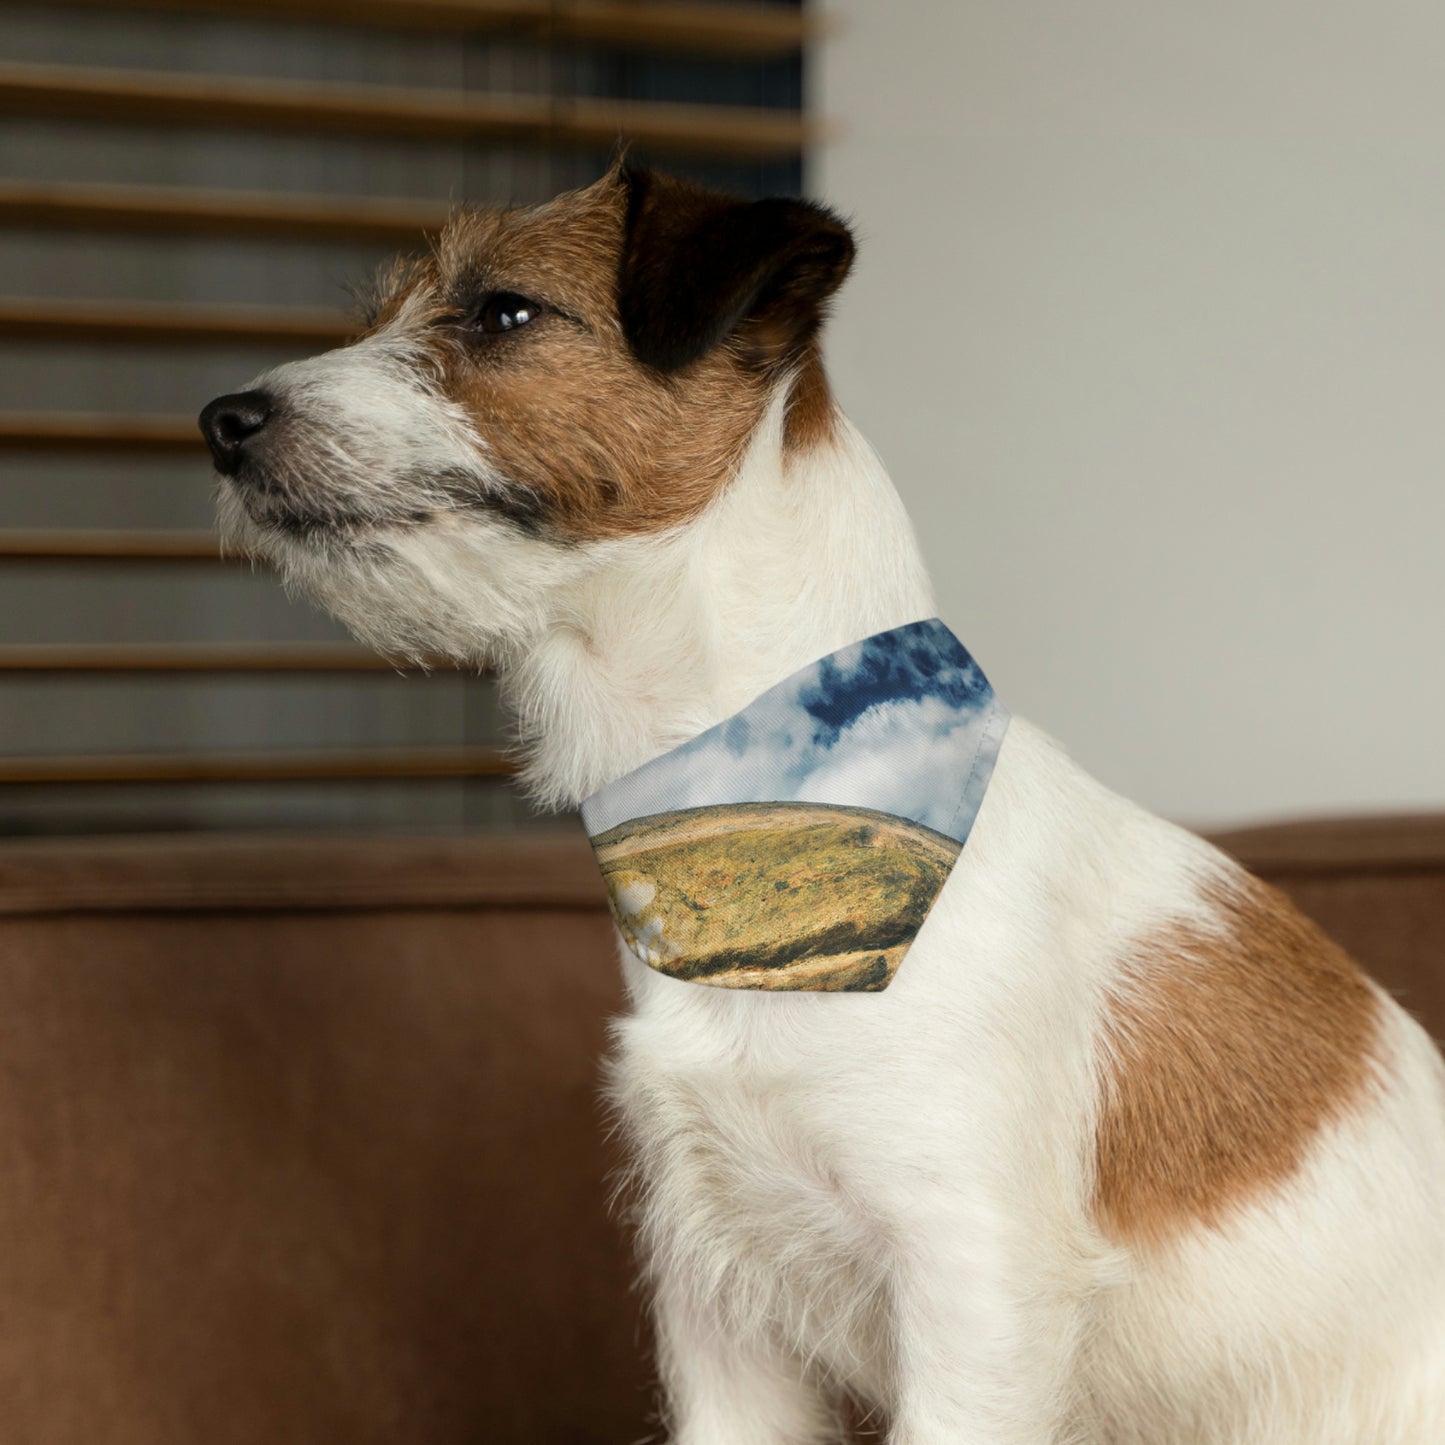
(547,382)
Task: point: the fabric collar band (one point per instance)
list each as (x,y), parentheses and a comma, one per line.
(801,843)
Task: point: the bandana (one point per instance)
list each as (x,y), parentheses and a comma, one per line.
(801,843)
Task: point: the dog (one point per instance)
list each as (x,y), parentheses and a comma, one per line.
(1127,1153)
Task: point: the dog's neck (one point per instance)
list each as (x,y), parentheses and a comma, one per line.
(664,636)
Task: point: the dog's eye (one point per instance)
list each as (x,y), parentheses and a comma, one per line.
(505,311)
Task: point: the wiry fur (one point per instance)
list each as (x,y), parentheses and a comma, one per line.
(895,1196)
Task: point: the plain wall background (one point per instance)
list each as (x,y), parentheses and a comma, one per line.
(1149,325)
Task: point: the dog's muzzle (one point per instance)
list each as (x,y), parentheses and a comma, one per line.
(231,424)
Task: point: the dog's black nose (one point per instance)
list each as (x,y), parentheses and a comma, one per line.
(229,422)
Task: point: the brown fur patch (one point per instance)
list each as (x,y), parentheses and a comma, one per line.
(596,443)
(1228,1051)
(812,413)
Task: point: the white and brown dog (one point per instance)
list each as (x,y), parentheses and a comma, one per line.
(1128,1152)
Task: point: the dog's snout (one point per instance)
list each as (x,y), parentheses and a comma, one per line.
(229,422)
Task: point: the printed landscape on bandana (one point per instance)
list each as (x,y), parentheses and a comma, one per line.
(801,843)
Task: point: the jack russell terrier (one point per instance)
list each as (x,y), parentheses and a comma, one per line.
(955,1085)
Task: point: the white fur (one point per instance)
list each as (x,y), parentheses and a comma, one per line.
(889,1194)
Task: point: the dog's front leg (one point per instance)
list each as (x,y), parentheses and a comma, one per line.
(720,1388)
(985,1347)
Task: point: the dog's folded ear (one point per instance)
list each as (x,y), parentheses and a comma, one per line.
(699,267)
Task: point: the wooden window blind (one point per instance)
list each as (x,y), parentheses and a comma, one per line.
(187,189)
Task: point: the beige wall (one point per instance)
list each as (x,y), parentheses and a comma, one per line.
(1149,324)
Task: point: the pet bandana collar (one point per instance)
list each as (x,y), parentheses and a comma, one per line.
(801,843)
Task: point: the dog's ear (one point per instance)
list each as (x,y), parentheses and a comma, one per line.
(699,266)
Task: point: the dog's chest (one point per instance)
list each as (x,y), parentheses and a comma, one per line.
(749,1184)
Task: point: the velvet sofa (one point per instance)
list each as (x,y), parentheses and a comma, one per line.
(300,1140)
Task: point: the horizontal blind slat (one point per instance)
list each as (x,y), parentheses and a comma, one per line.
(196,212)
(204,657)
(314,107)
(98,431)
(74,545)
(721,29)
(171,323)
(320,765)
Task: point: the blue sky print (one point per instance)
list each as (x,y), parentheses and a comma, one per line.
(903,722)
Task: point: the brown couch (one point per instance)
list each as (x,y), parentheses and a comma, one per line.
(299,1140)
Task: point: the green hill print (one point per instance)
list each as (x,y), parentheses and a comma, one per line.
(774,895)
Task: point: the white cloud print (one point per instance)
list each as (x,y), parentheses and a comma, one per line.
(903,722)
